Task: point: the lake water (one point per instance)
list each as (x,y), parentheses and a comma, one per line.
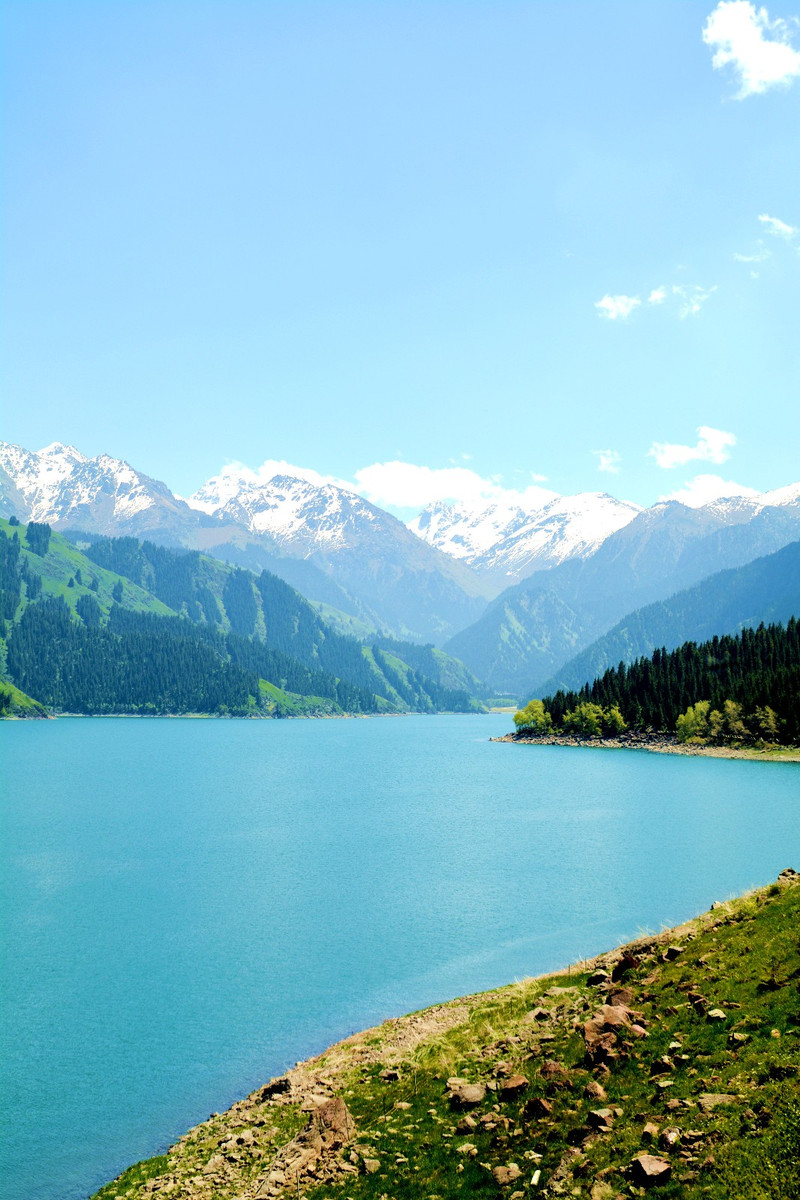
(190,906)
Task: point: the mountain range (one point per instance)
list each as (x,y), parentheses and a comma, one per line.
(515,590)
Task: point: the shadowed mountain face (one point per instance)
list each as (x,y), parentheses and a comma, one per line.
(331,544)
(530,631)
(766,590)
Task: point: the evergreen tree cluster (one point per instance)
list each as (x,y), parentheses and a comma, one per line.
(757,669)
(420,693)
(38,537)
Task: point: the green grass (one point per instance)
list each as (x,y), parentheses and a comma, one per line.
(745,960)
(17,704)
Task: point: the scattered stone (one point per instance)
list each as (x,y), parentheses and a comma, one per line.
(669,1139)
(737,1039)
(716,1014)
(662,1066)
(390,1075)
(789,875)
(540,1014)
(711,1100)
(671,953)
(371,1166)
(650,1132)
(629,962)
(648,1171)
(402,1105)
(215,1165)
(599,976)
(601,1191)
(513,1087)
(600,1118)
(467,1124)
(503,1176)
(595,1090)
(275,1087)
(536,1108)
(463,1094)
(775,1033)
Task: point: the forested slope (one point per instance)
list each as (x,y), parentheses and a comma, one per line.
(117,625)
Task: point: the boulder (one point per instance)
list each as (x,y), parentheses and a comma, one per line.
(669,1139)
(648,1171)
(650,1132)
(503,1176)
(463,1094)
(595,1090)
(711,1100)
(512,1087)
(537,1107)
(600,1118)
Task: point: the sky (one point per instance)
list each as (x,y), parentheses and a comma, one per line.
(436,250)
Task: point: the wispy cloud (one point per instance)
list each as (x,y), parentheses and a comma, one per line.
(713,445)
(616,308)
(705,489)
(778,228)
(692,299)
(608,460)
(758,50)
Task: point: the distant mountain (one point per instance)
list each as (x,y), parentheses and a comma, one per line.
(509,543)
(410,587)
(766,590)
(531,630)
(331,544)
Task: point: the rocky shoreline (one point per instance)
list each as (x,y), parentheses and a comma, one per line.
(658,743)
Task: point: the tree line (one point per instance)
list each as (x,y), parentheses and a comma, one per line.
(735,687)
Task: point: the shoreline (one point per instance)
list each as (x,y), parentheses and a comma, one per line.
(660,743)
(335,1118)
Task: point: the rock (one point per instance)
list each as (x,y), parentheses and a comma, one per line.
(774,1033)
(662,1066)
(389,1075)
(540,1014)
(789,875)
(215,1165)
(466,1124)
(599,976)
(512,1087)
(595,1090)
(503,1176)
(600,1118)
(536,1108)
(629,962)
(650,1132)
(601,1191)
(467,1148)
(648,1171)
(371,1166)
(275,1087)
(463,1094)
(672,952)
(669,1139)
(711,1100)
(737,1039)
(716,1014)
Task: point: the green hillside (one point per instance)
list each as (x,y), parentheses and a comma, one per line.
(669,1066)
(117,625)
(766,590)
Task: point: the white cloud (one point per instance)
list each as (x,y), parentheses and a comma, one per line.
(759,255)
(692,298)
(657,296)
(406,485)
(777,227)
(759,50)
(704,489)
(713,445)
(608,460)
(614,308)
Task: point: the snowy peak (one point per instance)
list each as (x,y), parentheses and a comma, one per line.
(64,487)
(512,542)
(289,509)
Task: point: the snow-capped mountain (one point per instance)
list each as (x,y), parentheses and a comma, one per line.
(509,542)
(293,511)
(100,495)
(330,543)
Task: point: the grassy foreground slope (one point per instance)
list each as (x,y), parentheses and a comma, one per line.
(670,1066)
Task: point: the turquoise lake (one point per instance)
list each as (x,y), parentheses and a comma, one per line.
(189,906)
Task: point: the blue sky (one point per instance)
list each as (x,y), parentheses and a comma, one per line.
(510,240)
